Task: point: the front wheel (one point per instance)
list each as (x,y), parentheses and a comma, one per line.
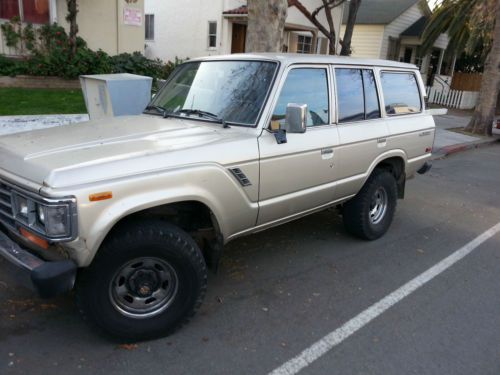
(369,214)
(147,279)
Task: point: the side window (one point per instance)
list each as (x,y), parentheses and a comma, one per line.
(401,94)
(304,86)
(372,106)
(350,95)
(356,95)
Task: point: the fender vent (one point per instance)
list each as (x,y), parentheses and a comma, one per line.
(240,176)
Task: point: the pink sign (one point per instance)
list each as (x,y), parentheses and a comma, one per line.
(132,16)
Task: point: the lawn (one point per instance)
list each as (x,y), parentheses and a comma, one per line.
(16,101)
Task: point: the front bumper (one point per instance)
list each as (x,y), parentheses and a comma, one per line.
(48,279)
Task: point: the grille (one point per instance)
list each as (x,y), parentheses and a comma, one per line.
(6,211)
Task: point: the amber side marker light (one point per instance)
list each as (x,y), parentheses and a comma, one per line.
(100,196)
(34,238)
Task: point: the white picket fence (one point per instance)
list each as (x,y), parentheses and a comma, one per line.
(445,97)
(452,98)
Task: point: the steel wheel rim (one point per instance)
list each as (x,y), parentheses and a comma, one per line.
(378,206)
(143,287)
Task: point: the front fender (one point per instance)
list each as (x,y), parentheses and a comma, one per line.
(212,185)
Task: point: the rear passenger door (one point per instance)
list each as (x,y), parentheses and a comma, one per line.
(362,130)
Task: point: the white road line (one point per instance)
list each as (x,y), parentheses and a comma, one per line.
(324,345)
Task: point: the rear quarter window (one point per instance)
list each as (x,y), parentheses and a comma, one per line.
(401,93)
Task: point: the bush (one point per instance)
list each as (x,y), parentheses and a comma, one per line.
(137,63)
(52,56)
(12,67)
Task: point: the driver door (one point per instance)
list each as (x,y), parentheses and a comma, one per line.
(299,176)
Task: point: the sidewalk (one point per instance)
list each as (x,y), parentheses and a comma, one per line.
(446,142)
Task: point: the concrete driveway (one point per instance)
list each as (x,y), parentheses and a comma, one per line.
(281,292)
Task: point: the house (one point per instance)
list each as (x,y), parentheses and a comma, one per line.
(392,30)
(194,28)
(114,26)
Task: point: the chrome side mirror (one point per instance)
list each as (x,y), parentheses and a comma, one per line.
(296,118)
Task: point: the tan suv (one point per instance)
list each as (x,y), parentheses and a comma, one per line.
(135,208)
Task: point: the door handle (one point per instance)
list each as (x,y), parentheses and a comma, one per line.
(327,153)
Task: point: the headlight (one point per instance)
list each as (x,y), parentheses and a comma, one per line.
(22,206)
(54,219)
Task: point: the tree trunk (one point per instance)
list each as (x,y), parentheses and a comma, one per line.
(73,26)
(482,119)
(266,25)
(349,28)
(329,20)
(331,43)
(327,6)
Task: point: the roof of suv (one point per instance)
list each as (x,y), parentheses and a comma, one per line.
(300,58)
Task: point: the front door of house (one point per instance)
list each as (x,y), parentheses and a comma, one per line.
(238,38)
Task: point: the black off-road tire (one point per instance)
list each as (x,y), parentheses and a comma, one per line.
(357,211)
(158,240)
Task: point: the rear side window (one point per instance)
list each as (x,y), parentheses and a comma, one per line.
(401,94)
(356,95)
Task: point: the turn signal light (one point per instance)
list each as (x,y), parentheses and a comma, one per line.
(34,238)
(100,196)
(428,149)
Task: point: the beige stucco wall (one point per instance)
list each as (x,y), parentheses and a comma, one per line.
(100,23)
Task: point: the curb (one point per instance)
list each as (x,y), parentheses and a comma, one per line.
(453,149)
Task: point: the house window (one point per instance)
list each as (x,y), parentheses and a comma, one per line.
(9,8)
(304,44)
(407,55)
(150,26)
(212,34)
(393,49)
(34,11)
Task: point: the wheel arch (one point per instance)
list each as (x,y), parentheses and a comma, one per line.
(193,215)
(395,163)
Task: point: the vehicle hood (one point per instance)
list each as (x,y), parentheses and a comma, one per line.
(110,148)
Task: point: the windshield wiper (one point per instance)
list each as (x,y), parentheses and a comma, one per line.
(202,113)
(164,111)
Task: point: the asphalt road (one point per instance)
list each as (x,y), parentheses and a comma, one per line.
(280,291)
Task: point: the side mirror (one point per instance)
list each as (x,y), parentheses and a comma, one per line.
(296,118)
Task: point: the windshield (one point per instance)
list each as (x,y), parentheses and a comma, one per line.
(231,90)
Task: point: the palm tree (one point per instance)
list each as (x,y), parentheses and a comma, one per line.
(469,24)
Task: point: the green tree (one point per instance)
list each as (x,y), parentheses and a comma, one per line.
(469,24)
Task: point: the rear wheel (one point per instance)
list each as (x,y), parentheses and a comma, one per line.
(147,280)
(369,214)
